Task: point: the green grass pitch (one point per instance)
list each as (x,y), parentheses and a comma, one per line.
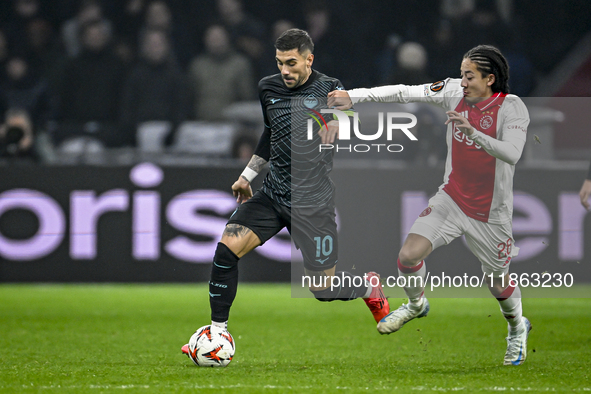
(127,339)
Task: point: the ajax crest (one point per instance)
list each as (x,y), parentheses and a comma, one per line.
(486,121)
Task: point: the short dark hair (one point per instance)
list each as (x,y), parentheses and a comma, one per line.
(489,60)
(295,39)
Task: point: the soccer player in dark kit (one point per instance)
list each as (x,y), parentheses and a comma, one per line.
(296,193)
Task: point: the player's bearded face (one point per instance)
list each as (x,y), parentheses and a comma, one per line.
(476,86)
(295,67)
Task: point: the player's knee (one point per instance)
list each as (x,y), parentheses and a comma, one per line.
(415,249)
(408,257)
(224,258)
(325,295)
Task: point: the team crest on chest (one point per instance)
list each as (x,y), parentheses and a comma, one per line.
(310,101)
(486,121)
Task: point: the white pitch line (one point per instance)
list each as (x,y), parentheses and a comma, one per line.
(283,388)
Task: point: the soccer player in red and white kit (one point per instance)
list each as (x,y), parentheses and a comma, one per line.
(486,132)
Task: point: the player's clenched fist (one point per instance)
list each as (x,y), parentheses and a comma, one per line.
(339,99)
(241,190)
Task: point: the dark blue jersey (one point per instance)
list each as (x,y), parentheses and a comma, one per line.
(298,170)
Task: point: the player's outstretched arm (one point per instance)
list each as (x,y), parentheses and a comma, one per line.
(241,188)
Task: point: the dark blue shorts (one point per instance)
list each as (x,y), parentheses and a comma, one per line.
(313,229)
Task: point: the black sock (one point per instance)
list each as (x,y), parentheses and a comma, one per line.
(223,282)
(346,291)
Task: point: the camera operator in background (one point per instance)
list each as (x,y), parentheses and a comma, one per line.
(25,99)
(16,137)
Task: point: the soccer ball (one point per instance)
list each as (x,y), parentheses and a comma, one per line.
(211,346)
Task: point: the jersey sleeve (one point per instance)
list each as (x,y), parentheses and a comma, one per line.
(512,135)
(439,93)
(338,85)
(263,148)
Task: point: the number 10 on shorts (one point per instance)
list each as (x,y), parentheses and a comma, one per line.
(323,245)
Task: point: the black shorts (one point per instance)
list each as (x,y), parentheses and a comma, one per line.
(313,230)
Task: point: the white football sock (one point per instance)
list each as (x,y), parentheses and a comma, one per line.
(415,283)
(510,303)
(223,325)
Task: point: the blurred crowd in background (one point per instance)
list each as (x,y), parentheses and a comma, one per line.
(86,74)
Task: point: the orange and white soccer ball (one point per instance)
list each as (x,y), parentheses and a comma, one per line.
(211,346)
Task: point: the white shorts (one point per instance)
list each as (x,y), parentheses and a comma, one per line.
(443,221)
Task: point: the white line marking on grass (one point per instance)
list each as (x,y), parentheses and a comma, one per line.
(289,388)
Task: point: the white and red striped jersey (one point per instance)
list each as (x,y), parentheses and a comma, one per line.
(479,169)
